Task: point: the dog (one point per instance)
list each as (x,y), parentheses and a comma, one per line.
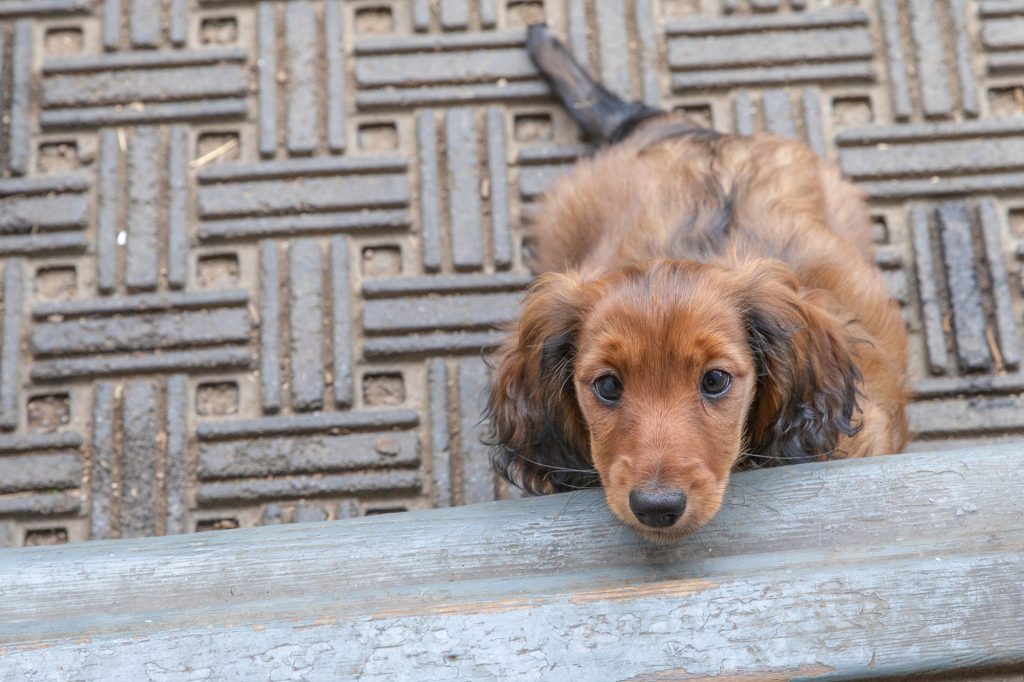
(705,303)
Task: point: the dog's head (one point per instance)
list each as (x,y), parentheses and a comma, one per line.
(655,380)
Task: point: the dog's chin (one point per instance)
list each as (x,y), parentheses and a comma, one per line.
(665,536)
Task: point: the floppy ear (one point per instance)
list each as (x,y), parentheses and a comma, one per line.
(537,434)
(807,386)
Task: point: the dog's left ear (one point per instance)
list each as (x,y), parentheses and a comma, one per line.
(808,381)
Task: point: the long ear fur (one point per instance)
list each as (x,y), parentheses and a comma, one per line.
(537,435)
(808,382)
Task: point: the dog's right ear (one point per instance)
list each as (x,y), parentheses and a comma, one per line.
(537,433)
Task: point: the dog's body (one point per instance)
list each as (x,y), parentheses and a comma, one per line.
(679,260)
(730,200)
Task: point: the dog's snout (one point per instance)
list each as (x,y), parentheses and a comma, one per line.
(657,508)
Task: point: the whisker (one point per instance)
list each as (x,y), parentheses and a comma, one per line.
(734,482)
(577,487)
(759,505)
(578,495)
(556,468)
(790,459)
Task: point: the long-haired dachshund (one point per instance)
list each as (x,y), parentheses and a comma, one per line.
(707,302)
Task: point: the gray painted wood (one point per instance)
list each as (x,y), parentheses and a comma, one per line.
(848,569)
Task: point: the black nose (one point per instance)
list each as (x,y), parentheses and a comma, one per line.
(657,508)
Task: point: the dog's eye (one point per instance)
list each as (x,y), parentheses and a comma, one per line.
(715,383)
(608,389)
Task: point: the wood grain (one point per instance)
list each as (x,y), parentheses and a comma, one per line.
(851,569)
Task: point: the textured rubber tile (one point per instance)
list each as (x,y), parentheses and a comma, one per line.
(252,250)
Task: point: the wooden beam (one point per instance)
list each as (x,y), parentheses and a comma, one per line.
(851,569)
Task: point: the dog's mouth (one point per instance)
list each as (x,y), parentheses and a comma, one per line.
(664,536)
(689,523)
(682,528)
(661,520)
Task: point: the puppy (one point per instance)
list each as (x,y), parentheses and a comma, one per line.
(706,302)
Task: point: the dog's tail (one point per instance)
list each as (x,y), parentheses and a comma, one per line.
(601,114)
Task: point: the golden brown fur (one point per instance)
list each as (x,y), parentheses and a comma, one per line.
(679,251)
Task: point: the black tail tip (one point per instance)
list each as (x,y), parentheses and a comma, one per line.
(539,38)
(537,32)
(601,114)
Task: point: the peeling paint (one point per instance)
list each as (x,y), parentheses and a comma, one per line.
(458,608)
(668,588)
(35,646)
(675,674)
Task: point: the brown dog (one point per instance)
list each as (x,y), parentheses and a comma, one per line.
(707,302)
